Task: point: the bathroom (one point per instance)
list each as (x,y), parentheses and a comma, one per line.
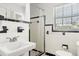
(58,25)
(39,29)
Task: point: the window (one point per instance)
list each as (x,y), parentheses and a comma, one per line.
(67,17)
(67,21)
(59,22)
(59,12)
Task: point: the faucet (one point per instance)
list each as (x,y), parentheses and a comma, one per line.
(12,39)
(9,38)
(15,38)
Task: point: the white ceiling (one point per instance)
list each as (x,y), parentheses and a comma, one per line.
(45,5)
(17,4)
(21,4)
(40,5)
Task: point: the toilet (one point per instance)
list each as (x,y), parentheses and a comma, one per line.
(63,53)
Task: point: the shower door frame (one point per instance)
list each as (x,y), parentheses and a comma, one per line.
(44,32)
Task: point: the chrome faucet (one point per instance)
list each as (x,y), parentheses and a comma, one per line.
(15,38)
(12,39)
(9,38)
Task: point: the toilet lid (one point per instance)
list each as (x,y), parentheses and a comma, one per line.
(63,53)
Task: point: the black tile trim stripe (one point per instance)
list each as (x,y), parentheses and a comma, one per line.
(34,17)
(13,20)
(50,25)
(37,50)
(49,54)
(40,53)
(66,31)
(60,31)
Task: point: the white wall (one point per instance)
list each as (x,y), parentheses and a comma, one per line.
(36,11)
(55,40)
(13,6)
(27,12)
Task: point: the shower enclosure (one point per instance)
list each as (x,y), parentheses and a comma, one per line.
(37,34)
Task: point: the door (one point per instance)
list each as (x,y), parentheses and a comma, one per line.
(37,33)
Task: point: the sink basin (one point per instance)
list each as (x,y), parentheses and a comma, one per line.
(16,48)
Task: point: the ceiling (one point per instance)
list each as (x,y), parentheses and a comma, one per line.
(17,4)
(45,5)
(21,4)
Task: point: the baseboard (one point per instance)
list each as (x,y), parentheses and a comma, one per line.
(37,50)
(41,53)
(49,54)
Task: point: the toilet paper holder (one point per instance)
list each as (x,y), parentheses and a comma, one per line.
(65,46)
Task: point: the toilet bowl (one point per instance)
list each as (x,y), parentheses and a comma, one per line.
(63,53)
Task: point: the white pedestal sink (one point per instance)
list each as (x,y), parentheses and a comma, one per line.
(16,48)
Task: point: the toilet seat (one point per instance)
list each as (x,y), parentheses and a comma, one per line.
(63,53)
